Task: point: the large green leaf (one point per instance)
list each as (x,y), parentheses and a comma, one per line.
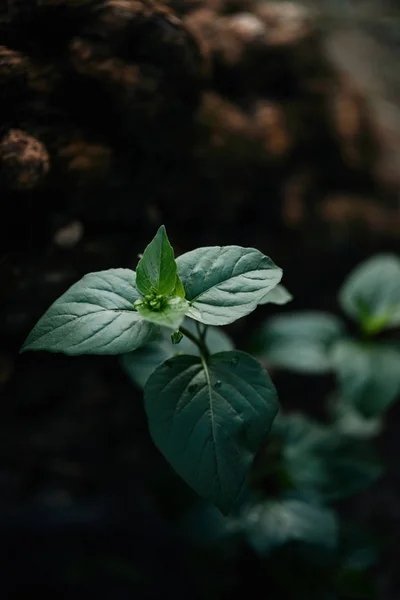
(209,420)
(95,316)
(274,523)
(317,459)
(140,363)
(300,341)
(156,270)
(371,294)
(170,315)
(226,283)
(279,295)
(368,375)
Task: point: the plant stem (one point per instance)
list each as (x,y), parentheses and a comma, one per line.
(201,331)
(198,341)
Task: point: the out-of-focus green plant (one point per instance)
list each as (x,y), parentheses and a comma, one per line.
(367,367)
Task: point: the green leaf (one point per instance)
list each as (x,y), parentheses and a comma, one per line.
(348,421)
(171,314)
(176,337)
(274,523)
(179,289)
(95,316)
(156,270)
(368,375)
(279,295)
(318,460)
(141,363)
(300,341)
(371,294)
(226,283)
(209,420)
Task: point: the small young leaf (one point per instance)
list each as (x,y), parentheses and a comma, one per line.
(209,420)
(176,337)
(371,294)
(95,316)
(279,295)
(226,283)
(141,363)
(156,270)
(179,289)
(368,375)
(300,341)
(170,315)
(274,523)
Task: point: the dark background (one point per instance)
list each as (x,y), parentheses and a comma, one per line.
(230,122)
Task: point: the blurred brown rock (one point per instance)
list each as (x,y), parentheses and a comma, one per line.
(286,23)
(24,160)
(87,162)
(243,89)
(13,67)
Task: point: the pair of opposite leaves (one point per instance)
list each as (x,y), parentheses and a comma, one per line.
(109,312)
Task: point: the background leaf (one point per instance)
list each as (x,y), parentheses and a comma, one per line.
(279,295)
(368,375)
(140,363)
(209,422)
(300,341)
(156,270)
(316,459)
(274,523)
(350,422)
(95,316)
(226,283)
(371,294)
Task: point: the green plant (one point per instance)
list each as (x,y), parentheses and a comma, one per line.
(209,406)
(367,367)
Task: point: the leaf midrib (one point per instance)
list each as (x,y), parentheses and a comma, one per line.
(78,318)
(162,250)
(160,263)
(230,279)
(212,420)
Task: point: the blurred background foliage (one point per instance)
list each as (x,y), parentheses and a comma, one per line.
(266,124)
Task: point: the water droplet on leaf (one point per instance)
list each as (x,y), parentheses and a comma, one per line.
(234,361)
(218,384)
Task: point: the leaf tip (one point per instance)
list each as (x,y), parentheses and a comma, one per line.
(24,347)
(162,231)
